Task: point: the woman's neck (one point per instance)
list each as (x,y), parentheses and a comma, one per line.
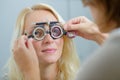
(49,72)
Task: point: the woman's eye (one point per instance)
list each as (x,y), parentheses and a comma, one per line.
(56,31)
(39,33)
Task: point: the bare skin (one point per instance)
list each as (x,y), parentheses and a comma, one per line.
(86,29)
(38,60)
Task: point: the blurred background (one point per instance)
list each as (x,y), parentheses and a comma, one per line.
(9,10)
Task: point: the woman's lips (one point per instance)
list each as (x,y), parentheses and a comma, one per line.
(49,50)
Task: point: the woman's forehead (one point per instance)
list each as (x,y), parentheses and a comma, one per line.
(39,16)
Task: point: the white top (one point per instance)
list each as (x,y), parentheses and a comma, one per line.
(104,64)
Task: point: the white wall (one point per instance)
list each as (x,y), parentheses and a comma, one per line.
(9,10)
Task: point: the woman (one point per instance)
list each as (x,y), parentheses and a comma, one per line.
(104,64)
(37,50)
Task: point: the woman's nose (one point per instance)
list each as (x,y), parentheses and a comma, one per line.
(48,39)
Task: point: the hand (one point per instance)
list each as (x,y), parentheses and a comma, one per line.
(86,29)
(26,58)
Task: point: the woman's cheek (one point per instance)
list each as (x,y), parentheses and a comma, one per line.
(36,46)
(60,44)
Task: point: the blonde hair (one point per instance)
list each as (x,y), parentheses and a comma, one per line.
(68,64)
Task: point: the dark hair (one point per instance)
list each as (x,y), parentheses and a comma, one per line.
(112,9)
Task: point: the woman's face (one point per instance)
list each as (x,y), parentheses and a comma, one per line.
(48,50)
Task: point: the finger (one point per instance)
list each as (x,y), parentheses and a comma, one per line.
(65,26)
(30,45)
(22,41)
(78,20)
(74,27)
(73,21)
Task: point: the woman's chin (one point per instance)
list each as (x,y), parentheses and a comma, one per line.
(48,61)
(51,60)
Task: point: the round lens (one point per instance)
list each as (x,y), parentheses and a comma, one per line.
(38,33)
(56,32)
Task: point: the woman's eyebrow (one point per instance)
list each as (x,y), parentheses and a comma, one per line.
(39,23)
(42,23)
